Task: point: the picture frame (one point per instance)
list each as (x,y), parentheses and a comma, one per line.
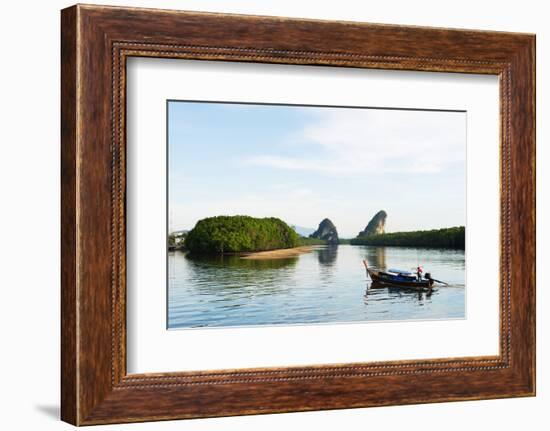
(96,42)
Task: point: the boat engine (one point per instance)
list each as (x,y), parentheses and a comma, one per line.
(428,276)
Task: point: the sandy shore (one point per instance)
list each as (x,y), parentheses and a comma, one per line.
(282,253)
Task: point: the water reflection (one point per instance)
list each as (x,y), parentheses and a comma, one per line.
(232,280)
(235,261)
(327,255)
(323,286)
(376,256)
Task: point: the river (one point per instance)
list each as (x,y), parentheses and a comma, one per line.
(327,285)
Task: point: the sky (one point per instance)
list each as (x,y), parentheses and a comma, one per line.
(303,164)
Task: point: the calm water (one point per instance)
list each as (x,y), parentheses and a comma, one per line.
(327,285)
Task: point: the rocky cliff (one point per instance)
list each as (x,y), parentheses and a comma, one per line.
(327,232)
(376,225)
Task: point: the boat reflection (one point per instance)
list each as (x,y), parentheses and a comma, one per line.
(375,289)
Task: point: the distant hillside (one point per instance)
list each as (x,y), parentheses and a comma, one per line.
(303,231)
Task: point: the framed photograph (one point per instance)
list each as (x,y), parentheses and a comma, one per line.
(264,214)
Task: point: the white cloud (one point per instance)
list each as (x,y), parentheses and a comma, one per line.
(359,141)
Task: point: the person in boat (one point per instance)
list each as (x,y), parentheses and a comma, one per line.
(419,273)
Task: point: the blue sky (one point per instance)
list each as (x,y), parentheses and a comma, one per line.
(303,164)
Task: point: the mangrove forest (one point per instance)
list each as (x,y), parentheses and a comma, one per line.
(453,237)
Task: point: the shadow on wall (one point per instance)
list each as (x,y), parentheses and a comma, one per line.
(52,411)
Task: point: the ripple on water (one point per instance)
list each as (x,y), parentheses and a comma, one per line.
(324,286)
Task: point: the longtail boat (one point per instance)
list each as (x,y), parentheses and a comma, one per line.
(399,278)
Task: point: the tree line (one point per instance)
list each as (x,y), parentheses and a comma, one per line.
(453,237)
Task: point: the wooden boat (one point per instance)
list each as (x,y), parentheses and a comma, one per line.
(399,278)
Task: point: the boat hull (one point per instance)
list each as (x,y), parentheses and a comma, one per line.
(384,279)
